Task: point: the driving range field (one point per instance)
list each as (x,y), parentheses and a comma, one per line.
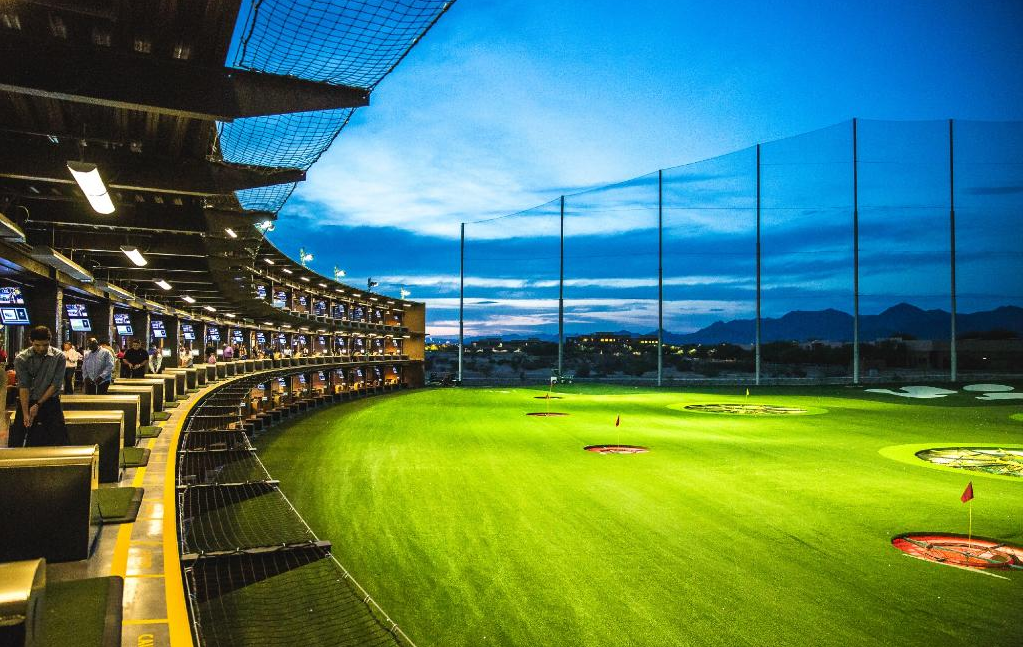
(472,523)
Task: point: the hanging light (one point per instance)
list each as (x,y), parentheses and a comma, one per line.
(87,176)
(163,284)
(187,298)
(268,261)
(134,255)
(230,232)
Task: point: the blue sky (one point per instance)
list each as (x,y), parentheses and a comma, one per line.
(507,105)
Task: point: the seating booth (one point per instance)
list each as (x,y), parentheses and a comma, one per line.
(145,395)
(127,404)
(221,370)
(22,592)
(178,383)
(104,429)
(157,385)
(51,516)
(191,380)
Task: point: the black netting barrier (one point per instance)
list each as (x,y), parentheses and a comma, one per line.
(255,573)
(342,42)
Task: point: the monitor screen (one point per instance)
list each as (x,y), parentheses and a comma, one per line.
(302,339)
(122,319)
(320,307)
(260,338)
(11,296)
(214,334)
(357,314)
(301,379)
(159,334)
(282,381)
(303,300)
(81,325)
(187,328)
(157,324)
(76,311)
(261,291)
(187,332)
(14,316)
(188,336)
(124,330)
(322,340)
(321,375)
(282,339)
(280,299)
(339,311)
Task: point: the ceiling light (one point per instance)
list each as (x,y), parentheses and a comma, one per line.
(286,270)
(187,298)
(229,315)
(322,285)
(87,176)
(163,284)
(134,255)
(209,308)
(268,261)
(230,232)
(58,261)
(305,278)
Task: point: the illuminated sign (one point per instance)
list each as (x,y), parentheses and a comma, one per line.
(14,316)
(187,332)
(81,325)
(159,332)
(76,311)
(122,319)
(280,299)
(11,296)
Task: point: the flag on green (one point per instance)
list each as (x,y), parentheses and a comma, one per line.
(967,493)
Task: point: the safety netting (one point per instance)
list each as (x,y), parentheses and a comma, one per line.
(342,42)
(860,239)
(255,573)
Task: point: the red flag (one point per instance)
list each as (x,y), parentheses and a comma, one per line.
(618,420)
(967,493)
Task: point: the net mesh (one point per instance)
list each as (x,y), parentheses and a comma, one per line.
(342,42)
(854,219)
(247,550)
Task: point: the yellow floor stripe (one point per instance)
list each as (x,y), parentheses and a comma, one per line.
(178,627)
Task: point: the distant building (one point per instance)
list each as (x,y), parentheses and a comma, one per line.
(603,338)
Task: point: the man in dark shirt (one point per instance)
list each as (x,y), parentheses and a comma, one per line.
(39,420)
(137,359)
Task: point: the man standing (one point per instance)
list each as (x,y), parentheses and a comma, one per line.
(39,420)
(97,369)
(228,353)
(155,360)
(72,357)
(136,359)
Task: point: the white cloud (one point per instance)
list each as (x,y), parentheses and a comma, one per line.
(451,282)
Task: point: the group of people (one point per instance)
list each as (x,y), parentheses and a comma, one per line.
(42,373)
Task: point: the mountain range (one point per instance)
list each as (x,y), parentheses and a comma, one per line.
(835,325)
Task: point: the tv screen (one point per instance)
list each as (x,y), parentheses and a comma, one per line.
(157,325)
(122,319)
(187,328)
(280,299)
(322,340)
(260,338)
(237,336)
(322,375)
(303,300)
(320,307)
(188,336)
(339,311)
(124,330)
(302,339)
(214,334)
(76,311)
(187,332)
(11,296)
(14,316)
(159,334)
(282,381)
(261,291)
(81,325)
(301,379)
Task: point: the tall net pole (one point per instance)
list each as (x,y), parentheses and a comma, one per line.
(561,295)
(461,302)
(856,260)
(757,349)
(660,276)
(953,355)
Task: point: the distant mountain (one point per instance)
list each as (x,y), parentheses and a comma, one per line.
(833,325)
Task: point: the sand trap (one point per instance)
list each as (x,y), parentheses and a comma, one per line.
(989,388)
(1001,396)
(921,392)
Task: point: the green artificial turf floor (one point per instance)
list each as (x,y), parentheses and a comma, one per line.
(474,524)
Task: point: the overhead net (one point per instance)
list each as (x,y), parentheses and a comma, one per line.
(342,42)
(255,573)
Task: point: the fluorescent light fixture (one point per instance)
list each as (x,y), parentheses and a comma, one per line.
(268,261)
(10,231)
(230,232)
(117,290)
(187,298)
(87,176)
(134,255)
(209,309)
(286,270)
(229,315)
(304,278)
(58,261)
(163,284)
(322,285)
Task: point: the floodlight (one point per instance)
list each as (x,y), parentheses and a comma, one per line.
(87,176)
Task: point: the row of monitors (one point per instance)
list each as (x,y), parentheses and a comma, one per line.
(322,375)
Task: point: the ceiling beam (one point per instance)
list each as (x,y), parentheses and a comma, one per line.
(103,77)
(152,219)
(36,160)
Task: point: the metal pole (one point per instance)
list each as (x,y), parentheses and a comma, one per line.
(954,357)
(461,303)
(660,277)
(757,348)
(561,295)
(856,261)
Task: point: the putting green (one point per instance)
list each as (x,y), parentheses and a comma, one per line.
(473,524)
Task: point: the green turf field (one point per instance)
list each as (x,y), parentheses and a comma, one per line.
(474,524)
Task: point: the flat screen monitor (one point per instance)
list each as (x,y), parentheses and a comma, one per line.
(322,340)
(282,381)
(159,332)
(339,311)
(280,299)
(214,334)
(321,375)
(302,339)
(81,325)
(303,300)
(282,340)
(301,379)
(11,296)
(76,311)
(14,316)
(260,338)
(357,314)
(125,330)
(237,336)
(122,319)
(188,336)
(261,291)
(320,307)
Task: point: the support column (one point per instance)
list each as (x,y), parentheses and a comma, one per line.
(756,374)
(953,354)
(660,277)
(45,308)
(856,261)
(561,295)
(102,321)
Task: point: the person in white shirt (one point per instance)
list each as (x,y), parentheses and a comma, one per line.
(72,357)
(155,360)
(184,357)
